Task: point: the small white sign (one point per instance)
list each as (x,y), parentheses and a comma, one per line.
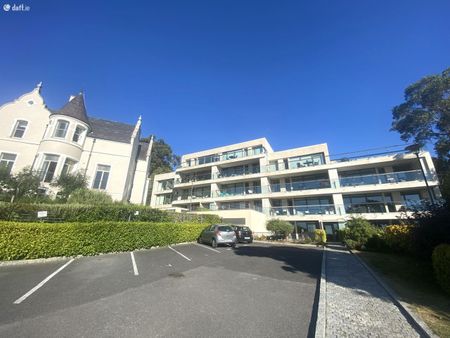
(136,213)
(41,214)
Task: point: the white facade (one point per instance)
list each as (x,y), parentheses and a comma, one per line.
(52,142)
(250,183)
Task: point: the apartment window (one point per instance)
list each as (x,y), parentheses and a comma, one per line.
(68,166)
(208,159)
(412,200)
(101,177)
(77,135)
(7,161)
(61,129)
(368,203)
(19,128)
(49,167)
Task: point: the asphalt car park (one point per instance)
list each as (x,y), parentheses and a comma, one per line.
(188,290)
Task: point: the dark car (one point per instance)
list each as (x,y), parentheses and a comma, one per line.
(218,234)
(243,233)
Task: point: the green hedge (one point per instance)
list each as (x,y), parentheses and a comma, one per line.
(441,266)
(40,240)
(94,213)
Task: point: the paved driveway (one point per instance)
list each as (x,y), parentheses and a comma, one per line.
(182,291)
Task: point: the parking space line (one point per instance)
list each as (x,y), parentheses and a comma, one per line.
(207,247)
(135,269)
(29,293)
(179,253)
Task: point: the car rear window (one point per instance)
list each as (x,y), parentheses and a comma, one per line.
(226,228)
(245,228)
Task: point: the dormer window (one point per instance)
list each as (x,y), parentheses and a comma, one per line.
(61,129)
(78,134)
(19,128)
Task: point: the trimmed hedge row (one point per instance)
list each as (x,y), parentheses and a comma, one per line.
(42,240)
(93,213)
(441,266)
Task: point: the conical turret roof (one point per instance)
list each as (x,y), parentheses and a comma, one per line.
(74,108)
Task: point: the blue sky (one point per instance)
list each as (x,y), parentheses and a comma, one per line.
(210,73)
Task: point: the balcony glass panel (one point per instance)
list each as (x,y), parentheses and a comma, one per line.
(405,176)
(224,192)
(328,209)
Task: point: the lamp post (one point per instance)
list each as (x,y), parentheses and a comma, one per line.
(416,150)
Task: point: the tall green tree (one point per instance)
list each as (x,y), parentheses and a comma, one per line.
(162,160)
(425,115)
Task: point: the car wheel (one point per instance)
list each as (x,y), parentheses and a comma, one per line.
(199,240)
(250,241)
(214,243)
(233,245)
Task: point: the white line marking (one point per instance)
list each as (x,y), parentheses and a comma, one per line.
(179,253)
(29,293)
(207,247)
(135,269)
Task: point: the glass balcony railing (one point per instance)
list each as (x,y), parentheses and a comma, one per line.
(237,191)
(191,179)
(369,208)
(403,176)
(243,172)
(300,210)
(236,206)
(304,185)
(229,155)
(193,197)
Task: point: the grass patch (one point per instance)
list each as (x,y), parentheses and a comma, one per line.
(412,279)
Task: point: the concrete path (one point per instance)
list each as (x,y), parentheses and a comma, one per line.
(356,305)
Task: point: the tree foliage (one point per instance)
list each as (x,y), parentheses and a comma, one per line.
(279,227)
(357,232)
(425,114)
(162,160)
(68,183)
(22,186)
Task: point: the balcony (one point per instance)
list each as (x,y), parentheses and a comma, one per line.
(237,191)
(303,185)
(403,176)
(236,173)
(301,210)
(195,178)
(226,156)
(370,207)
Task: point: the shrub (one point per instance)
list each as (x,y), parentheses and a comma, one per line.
(102,212)
(36,240)
(441,266)
(280,227)
(357,232)
(69,183)
(90,197)
(320,236)
(398,238)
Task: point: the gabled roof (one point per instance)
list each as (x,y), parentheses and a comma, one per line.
(110,130)
(74,108)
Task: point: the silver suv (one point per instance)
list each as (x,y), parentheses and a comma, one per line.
(218,234)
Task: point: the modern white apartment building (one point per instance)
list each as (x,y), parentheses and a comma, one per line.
(53,142)
(249,183)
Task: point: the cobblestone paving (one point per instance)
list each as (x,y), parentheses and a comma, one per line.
(357,306)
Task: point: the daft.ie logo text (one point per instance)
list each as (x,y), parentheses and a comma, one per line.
(16,8)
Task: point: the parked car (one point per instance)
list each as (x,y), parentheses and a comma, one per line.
(243,233)
(218,234)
